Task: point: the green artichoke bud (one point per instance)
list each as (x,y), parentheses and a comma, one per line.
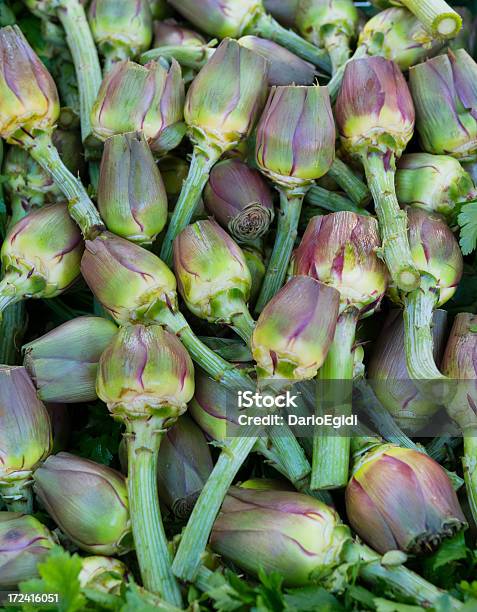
(88,501)
(126,278)
(131,197)
(284,11)
(145,369)
(374,107)
(295,330)
(103,574)
(340,250)
(390,379)
(399,498)
(257,269)
(24,542)
(25,432)
(174,171)
(219,112)
(40,255)
(121,30)
(295,141)
(63,363)
(239,199)
(171,33)
(398,35)
(285,68)
(184,464)
(28,93)
(445,96)
(435,183)
(308,536)
(146,98)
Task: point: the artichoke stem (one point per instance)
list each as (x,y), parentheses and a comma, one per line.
(469,463)
(188,57)
(331,451)
(380,172)
(187,561)
(243,324)
(200,167)
(143,437)
(337,45)
(80,206)
(85,58)
(353,186)
(266,27)
(437,17)
(334,84)
(331,201)
(18,495)
(288,218)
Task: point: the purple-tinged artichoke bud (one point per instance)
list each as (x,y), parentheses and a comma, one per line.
(295,330)
(131,197)
(40,255)
(435,250)
(25,434)
(285,68)
(171,33)
(387,371)
(398,35)
(295,141)
(340,250)
(445,95)
(284,11)
(257,269)
(435,183)
(103,574)
(184,464)
(225,98)
(126,278)
(88,501)
(145,369)
(148,98)
(64,362)
(174,171)
(121,30)
(308,536)
(374,107)
(211,271)
(239,199)
(401,499)
(29,96)
(24,542)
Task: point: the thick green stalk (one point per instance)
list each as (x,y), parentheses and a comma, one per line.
(380,171)
(17,494)
(419,307)
(266,27)
(331,451)
(12,327)
(469,463)
(143,441)
(85,58)
(337,46)
(190,57)
(200,167)
(196,534)
(334,85)
(332,201)
(288,218)
(352,185)
(292,456)
(438,18)
(243,325)
(80,206)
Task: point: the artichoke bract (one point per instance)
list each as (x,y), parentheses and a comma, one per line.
(146,98)
(25,436)
(284,12)
(375,118)
(212,276)
(24,542)
(103,574)
(63,363)
(445,97)
(389,376)
(239,199)
(28,115)
(435,183)
(329,24)
(131,195)
(221,108)
(285,68)
(295,330)
(121,30)
(399,498)
(295,145)
(40,256)
(88,501)
(183,466)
